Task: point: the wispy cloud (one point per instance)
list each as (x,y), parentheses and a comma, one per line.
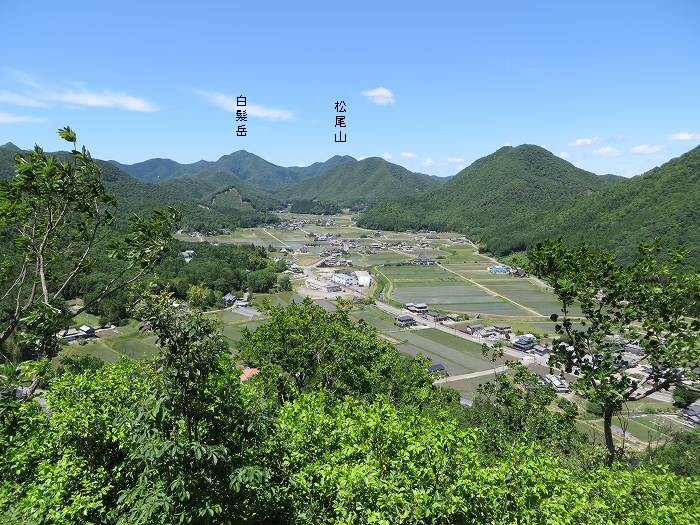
(429,162)
(455,160)
(607,151)
(585,142)
(564,155)
(9,118)
(101,99)
(408,154)
(684,135)
(228,103)
(386,155)
(17,99)
(645,148)
(380,96)
(74,95)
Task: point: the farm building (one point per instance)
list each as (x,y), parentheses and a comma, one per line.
(419,308)
(404,321)
(559,384)
(248,372)
(470,329)
(438,368)
(228,299)
(363,278)
(498,269)
(540,350)
(503,328)
(344,279)
(188,254)
(525,342)
(437,316)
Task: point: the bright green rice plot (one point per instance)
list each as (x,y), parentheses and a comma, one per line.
(444,347)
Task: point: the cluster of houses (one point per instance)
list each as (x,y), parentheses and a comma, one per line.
(336,261)
(421,260)
(291,225)
(421,309)
(325,222)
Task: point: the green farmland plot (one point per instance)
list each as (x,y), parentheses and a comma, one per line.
(524,292)
(447,348)
(373,316)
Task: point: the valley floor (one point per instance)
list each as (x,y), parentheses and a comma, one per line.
(459,283)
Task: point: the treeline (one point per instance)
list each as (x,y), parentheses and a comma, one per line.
(336,427)
(315,207)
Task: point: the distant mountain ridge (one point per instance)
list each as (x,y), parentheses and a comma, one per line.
(508,199)
(519,195)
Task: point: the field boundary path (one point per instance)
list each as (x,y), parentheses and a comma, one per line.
(276,238)
(491,292)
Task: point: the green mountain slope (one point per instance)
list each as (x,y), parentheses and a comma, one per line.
(364,182)
(664,201)
(257,182)
(511,186)
(134,196)
(517,196)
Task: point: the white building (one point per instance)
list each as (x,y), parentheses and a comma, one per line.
(363,278)
(344,279)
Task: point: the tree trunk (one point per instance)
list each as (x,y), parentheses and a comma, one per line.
(607,424)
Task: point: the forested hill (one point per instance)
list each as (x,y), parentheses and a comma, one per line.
(245,166)
(520,195)
(510,188)
(134,196)
(664,201)
(363,182)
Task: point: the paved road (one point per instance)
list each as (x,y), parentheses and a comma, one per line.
(472,375)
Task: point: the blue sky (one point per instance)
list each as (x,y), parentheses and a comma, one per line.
(611,86)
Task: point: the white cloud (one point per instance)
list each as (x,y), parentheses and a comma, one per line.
(74,96)
(684,135)
(564,155)
(429,161)
(505,144)
(386,155)
(9,118)
(620,136)
(21,100)
(645,148)
(408,154)
(361,158)
(455,160)
(229,104)
(380,96)
(607,151)
(585,142)
(101,99)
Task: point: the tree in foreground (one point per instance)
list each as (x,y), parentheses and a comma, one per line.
(651,303)
(306,348)
(55,216)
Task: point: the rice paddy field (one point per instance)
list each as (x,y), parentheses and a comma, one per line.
(446,291)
